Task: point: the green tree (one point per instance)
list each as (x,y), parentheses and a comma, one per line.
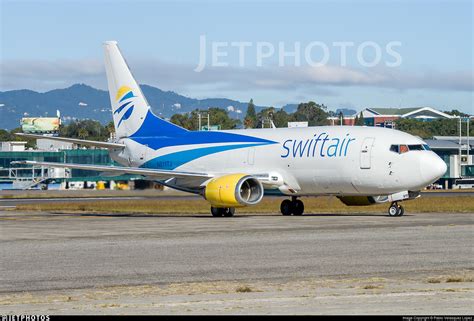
(183,120)
(428,129)
(5,135)
(91,129)
(277,115)
(456,112)
(30,142)
(110,127)
(250,120)
(341,118)
(314,114)
(83,133)
(221,117)
(360,121)
(217,116)
(281,118)
(264,115)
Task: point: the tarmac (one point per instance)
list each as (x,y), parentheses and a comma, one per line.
(314,264)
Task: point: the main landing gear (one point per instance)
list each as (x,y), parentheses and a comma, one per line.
(396,209)
(222,211)
(295,207)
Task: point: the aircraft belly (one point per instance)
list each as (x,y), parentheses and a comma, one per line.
(326,181)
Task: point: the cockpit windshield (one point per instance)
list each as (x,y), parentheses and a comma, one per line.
(415,147)
(400,149)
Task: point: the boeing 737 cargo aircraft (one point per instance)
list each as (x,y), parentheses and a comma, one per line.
(236,168)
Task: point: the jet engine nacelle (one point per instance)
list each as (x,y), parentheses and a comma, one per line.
(234,190)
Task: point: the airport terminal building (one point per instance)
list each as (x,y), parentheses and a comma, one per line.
(26,177)
(458,158)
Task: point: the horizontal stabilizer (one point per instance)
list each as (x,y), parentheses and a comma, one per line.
(75,141)
(120,170)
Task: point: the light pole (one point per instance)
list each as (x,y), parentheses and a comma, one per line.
(468,145)
(460,147)
(208,120)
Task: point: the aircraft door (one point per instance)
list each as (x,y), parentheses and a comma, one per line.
(366,153)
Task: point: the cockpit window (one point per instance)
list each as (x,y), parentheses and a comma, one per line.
(403,149)
(415,147)
(400,149)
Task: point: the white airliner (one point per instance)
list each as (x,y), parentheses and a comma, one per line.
(236,168)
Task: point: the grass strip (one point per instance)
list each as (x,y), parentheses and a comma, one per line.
(459,204)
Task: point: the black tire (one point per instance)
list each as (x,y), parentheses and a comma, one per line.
(393,210)
(216,211)
(286,207)
(298,208)
(228,211)
(401,210)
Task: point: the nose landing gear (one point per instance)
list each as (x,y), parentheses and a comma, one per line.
(295,207)
(396,209)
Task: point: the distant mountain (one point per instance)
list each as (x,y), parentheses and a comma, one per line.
(346,111)
(168,103)
(85,102)
(82,101)
(77,101)
(290,108)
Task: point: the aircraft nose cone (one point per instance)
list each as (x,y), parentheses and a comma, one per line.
(432,167)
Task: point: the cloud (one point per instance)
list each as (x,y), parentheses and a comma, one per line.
(46,75)
(322,81)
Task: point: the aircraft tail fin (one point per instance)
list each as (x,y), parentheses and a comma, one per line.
(131,112)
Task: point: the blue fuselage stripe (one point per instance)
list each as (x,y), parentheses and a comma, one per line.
(173,160)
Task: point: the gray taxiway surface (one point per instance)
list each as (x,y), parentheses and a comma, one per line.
(42,251)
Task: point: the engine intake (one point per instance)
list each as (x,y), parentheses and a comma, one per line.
(234,190)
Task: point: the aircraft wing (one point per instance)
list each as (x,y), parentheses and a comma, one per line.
(75,141)
(120,170)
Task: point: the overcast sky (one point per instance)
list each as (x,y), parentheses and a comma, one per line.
(397,53)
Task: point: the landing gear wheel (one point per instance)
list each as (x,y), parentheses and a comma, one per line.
(298,208)
(228,211)
(216,211)
(286,207)
(295,207)
(393,210)
(401,210)
(222,211)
